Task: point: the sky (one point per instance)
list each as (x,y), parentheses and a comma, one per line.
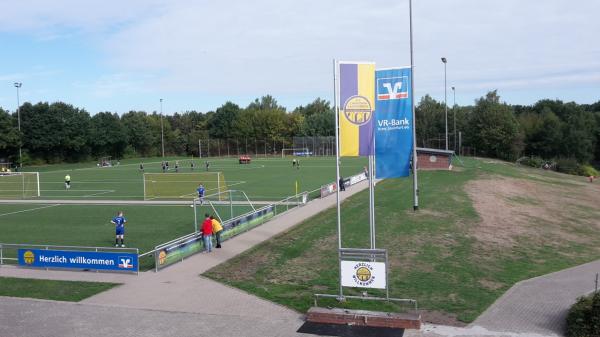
(196,55)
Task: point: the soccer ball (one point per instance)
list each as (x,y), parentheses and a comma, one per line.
(192,206)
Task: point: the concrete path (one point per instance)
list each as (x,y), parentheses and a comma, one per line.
(176,289)
(540,304)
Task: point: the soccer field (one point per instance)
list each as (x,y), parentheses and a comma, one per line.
(268,179)
(263,179)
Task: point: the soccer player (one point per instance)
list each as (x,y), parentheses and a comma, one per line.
(207,165)
(192,165)
(119,222)
(293,162)
(207,230)
(201,191)
(177,166)
(67,181)
(217,230)
(142,167)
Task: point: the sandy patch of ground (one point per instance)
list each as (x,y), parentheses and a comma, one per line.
(517,208)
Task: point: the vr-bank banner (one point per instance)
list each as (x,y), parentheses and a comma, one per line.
(42,258)
(357,106)
(393,124)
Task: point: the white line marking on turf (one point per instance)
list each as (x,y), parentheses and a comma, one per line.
(31,209)
(98,193)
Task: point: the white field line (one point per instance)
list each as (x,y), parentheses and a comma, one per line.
(99,193)
(28,210)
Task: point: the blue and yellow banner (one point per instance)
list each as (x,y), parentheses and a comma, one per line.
(42,258)
(394,123)
(357,107)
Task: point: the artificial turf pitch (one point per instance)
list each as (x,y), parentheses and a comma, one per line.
(268,179)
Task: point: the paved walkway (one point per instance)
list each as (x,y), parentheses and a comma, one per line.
(176,293)
(540,304)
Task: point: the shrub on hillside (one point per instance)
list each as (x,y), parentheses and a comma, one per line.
(567,165)
(583,319)
(588,170)
(532,161)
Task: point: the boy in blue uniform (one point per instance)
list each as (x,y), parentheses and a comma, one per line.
(201,191)
(119,222)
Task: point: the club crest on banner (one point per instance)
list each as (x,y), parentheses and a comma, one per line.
(357,110)
(392,88)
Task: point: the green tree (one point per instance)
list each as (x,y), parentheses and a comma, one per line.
(138,127)
(107,135)
(221,123)
(579,139)
(9,136)
(493,128)
(429,122)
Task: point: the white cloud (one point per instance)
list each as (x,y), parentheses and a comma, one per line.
(286,47)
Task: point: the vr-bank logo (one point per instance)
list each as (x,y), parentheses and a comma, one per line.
(125,262)
(392,88)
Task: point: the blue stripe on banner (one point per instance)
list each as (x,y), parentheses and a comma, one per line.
(393,129)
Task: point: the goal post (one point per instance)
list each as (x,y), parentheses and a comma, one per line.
(19,185)
(181,185)
(295,151)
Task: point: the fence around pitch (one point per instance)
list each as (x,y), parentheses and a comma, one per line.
(9,253)
(179,249)
(233,147)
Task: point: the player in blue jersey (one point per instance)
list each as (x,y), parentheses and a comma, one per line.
(201,191)
(119,222)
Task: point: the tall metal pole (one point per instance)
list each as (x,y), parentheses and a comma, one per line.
(454,115)
(162,129)
(336,108)
(445,101)
(412,103)
(18,85)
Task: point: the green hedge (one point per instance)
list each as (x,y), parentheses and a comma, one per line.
(583,319)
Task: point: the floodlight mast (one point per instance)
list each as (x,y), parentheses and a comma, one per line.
(18,85)
(454,115)
(445,100)
(162,129)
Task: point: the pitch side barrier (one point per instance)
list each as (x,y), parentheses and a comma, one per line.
(179,249)
(79,258)
(331,188)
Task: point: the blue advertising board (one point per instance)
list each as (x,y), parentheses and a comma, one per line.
(394,128)
(42,258)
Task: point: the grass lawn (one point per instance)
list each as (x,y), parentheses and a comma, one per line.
(263,179)
(437,255)
(71,291)
(148,225)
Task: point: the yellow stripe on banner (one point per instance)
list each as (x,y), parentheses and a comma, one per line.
(366,83)
(348,137)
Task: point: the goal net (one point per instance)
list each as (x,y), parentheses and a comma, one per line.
(223,206)
(295,151)
(19,185)
(181,185)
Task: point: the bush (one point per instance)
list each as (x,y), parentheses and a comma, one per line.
(587,170)
(532,161)
(583,319)
(567,165)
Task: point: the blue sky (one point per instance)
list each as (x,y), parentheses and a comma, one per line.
(126,55)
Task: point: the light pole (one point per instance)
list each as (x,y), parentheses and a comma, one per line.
(162,129)
(18,85)
(454,114)
(445,100)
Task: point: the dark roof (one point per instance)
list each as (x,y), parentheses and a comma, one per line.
(434,151)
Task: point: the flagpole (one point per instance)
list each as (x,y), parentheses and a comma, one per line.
(337,170)
(412,103)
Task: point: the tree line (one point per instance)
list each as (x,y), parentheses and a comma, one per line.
(58,132)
